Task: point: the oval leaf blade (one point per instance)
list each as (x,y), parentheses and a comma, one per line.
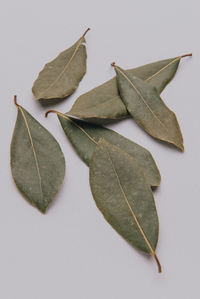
(84,138)
(148,109)
(103,103)
(61,76)
(37,162)
(123,196)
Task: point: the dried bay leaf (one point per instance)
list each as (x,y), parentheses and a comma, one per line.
(37,162)
(103,103)
(123,196)
(84,138)
(61,76)
(148,109)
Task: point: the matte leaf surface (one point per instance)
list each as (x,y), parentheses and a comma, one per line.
(61,76)
(124,197)
(103,103)
(84,138)
(147,108)
(37,162)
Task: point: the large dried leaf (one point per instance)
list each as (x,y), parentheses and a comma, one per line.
(84,138)
(147,108)
(37,162)
(61,76)
(124,197)
(103,103)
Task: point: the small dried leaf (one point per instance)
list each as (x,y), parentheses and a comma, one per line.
(61,76)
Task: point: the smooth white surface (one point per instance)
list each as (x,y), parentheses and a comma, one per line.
(71,252)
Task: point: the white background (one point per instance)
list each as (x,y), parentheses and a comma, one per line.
(71,252)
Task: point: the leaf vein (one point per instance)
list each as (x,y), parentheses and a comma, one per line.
(140,95)
(129,206)
(65,67)
(162,69)
(81,129)
(33,149)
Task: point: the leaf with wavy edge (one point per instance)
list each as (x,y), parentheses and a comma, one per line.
(84,137)
(148,109)
(103,103)
(124,198)
(61,76)
(37,162)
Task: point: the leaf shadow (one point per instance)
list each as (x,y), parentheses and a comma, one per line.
(51,102)
(154,188)
(96,121)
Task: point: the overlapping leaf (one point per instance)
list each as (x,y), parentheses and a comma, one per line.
(61,76)
(123,196)
(103,103)
(147,108)
(84,138)
(37,162)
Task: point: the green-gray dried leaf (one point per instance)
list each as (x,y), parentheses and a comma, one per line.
(147,108)
(84,138)
(61,76)
(37,162)
(103,103)
(123,196)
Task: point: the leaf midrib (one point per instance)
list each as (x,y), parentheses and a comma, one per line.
(80,128)
(33,149)
(163,68)
(129,206)
(140,96)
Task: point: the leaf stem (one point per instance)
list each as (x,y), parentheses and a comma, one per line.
(51,111)
(115,66)
(158,263)
(15,101)
(186,55)
(74,123)
(85,33)
(59,113)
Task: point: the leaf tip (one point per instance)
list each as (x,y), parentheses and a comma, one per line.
(43,210)
(181,146)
